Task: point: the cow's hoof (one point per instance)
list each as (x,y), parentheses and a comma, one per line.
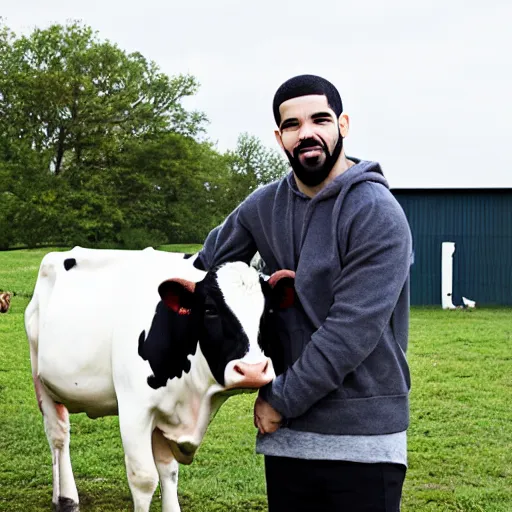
(65,505)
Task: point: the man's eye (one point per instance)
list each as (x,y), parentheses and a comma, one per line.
(323,120)
(287,126)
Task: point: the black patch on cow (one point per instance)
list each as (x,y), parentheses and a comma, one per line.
(173,336)
(272,324)
(142,339)
(69,263)
(171,339)
(222,338)
(66,505)
(188,255)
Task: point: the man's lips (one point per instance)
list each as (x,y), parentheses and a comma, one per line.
(311,152)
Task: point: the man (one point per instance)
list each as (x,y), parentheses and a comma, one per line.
(332,426)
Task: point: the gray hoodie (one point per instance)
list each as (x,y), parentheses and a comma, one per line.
(344,344)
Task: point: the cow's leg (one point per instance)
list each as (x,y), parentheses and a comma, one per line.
(167,467)
(56,426)
(136,429)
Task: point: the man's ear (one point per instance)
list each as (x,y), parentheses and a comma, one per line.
(344,123)
(277,134)
(177,295)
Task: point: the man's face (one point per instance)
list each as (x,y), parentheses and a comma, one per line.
(309,131)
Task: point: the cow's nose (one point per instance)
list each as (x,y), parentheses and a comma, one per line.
(247,375)
(251,370)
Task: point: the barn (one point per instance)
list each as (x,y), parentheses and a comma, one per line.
(479,222)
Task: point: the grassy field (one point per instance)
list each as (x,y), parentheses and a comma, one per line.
(460,439)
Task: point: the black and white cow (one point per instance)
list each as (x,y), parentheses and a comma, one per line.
(146,336)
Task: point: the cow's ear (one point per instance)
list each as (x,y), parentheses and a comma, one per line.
(178,295)
(284,293)
(282,288)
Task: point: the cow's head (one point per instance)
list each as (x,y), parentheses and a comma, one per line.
(224,313)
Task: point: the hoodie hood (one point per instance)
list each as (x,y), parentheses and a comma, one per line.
(363,170)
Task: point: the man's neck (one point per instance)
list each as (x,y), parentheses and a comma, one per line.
(341,165)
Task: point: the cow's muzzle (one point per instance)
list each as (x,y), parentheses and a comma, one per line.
(241,375)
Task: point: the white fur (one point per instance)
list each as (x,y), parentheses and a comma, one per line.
(241,289)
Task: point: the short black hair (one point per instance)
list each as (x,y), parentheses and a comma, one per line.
(304,85)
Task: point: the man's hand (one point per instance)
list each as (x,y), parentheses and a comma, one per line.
(266,418)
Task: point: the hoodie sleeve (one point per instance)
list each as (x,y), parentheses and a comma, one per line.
(231,241)
(376,260)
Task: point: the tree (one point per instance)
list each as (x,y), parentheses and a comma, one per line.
(71,107)
(76,100)
(96,148)
(252,165)
(172,184)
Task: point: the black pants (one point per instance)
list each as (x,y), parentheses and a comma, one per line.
(298,485)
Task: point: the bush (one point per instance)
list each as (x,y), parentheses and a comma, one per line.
(140,238)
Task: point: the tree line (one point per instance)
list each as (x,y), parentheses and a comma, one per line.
(97,149)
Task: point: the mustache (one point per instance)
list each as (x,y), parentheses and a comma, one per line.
(309,143)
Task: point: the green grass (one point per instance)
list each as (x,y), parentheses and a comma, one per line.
(18,269)
(460,439)
(190,248)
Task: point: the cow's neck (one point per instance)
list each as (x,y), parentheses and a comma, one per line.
(187,404)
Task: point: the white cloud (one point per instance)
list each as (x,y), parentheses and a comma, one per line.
(427,85)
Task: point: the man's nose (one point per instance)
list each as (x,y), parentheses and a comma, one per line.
(306,131)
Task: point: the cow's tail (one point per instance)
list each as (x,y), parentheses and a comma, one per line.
(32,330)
(44,283)
(32,322)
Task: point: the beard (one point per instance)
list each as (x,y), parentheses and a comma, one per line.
(313,176)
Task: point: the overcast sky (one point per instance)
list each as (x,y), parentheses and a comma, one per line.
(427,85)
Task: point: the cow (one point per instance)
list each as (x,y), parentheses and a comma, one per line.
(5,301)
(148,337)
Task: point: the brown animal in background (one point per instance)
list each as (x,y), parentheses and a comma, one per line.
(5,301)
